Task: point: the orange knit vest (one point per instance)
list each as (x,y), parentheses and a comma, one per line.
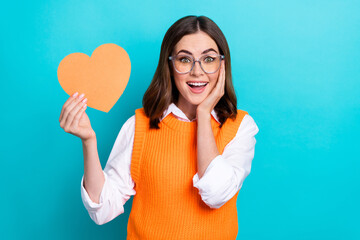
(166,204)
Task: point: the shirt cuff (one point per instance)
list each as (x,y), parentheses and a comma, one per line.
(217,174)
(88,203)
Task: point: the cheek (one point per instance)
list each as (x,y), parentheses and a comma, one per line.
(178,82)
(179,79)
(214,78)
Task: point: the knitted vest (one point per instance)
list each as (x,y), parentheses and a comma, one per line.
(166,204)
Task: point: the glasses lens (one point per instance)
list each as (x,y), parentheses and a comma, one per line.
(210,63)
(183,63)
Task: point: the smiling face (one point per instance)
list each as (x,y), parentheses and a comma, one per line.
(196,45)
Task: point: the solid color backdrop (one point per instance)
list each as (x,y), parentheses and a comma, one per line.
(296,71)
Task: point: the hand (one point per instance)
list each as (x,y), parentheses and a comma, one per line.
(74,120)
(206,106)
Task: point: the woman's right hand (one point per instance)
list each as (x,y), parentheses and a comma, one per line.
(73,118)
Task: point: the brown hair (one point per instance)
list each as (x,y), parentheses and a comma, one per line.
(163,91)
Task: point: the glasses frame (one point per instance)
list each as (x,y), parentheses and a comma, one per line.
(172,58)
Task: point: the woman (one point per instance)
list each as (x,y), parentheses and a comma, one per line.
(184,155)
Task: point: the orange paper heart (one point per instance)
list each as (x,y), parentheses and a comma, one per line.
(102,77)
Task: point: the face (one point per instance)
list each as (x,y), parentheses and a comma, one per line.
(195,45)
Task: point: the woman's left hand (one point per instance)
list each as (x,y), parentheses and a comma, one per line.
(206,106)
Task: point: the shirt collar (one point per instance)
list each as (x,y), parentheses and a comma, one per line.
(181,115)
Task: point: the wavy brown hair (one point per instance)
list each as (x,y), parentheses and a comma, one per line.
(163,91)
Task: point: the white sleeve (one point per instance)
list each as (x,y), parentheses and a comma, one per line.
(118,186)
(226,173)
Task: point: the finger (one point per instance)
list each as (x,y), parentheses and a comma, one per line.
(69,108)
(78,115)
(72,114)
(223,71)
(224,78)
(70,99)
(222,67)
(220,84)
(220,81)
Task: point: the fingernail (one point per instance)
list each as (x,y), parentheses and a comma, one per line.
(75,94)
(84,106)
(85,100)
(81,96)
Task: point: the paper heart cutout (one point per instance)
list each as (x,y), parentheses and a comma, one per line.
(102,77)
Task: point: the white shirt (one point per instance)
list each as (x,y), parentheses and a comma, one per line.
(222,179)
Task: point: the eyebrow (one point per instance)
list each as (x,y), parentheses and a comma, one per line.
(206,51)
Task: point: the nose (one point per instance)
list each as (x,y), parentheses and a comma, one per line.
(197,69)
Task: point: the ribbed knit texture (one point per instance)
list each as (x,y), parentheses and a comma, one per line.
(166,204)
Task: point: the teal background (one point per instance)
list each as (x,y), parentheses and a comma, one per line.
(296,70)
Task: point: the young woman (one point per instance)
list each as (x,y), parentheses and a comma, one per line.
(184,155)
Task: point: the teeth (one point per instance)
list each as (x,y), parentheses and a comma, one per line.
(197,84)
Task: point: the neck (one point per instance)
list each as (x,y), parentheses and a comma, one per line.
(188,109)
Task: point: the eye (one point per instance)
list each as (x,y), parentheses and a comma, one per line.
(209,59)
(184,60)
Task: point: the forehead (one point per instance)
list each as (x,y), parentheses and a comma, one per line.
(196,43)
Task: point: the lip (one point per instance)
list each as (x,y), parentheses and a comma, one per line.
(197,90)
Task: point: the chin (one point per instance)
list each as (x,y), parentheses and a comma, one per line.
(197,101)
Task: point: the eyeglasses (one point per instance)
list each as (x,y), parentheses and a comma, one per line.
(185,63)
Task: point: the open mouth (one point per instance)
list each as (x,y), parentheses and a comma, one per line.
(195,85)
